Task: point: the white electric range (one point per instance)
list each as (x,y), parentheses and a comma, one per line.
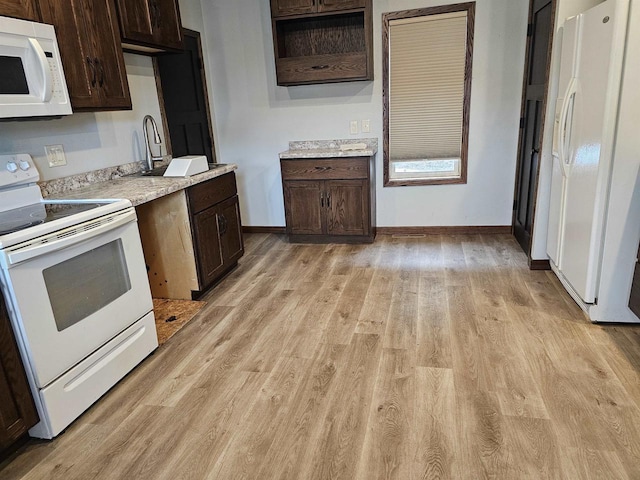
(74,280)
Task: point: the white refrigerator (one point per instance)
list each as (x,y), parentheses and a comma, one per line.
(598,58)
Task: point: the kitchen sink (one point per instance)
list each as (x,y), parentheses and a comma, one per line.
(156,172)
(159,172)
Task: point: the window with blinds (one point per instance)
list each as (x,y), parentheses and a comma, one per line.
(426,93)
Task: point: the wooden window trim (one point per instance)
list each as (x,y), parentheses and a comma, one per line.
(469,7)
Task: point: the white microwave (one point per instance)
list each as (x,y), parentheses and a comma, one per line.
(32,82)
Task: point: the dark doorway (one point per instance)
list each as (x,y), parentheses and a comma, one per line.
(183,95)
(536,78)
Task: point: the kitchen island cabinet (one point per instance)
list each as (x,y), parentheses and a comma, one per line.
(150,26)
(23,9)
(191,238)
(91,53)
(17,410)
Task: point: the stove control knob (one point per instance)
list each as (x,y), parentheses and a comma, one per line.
(24,165)
(12,167)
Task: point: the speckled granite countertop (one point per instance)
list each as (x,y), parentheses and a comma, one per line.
(330,149)
(136,188)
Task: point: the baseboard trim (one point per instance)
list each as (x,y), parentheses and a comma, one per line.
(264,229)
(461,230)
(539,265)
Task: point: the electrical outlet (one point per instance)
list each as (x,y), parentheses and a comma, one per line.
(366,126)
(55,155)
(353,127)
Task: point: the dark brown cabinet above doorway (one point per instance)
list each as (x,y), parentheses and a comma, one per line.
(150,26)
(322,41)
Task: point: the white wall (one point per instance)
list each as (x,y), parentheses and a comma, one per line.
(255,119)
(564,9)
(91,140)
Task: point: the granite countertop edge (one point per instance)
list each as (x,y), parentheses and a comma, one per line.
(305,149)
(302,154)
(139,189)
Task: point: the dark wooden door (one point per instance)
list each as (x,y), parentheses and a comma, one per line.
(347,206)
(230,230)
(333,5)
(17,410)
(208,245)
(304,207)
(24,9)
(185,100)
(280,8)
(532,121)
(634,298)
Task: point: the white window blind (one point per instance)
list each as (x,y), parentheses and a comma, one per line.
(427,58)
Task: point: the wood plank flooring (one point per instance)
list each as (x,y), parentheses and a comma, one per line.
(411,358)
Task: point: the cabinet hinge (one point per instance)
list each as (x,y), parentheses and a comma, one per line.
(530,30)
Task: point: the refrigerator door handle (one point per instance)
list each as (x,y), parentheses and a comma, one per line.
(564,115)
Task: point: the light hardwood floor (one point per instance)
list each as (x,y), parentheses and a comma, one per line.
(412,358)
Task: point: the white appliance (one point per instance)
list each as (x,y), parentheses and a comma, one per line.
(76,288)
(32,82)
(596,54)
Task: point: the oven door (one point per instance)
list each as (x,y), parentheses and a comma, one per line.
(77,290)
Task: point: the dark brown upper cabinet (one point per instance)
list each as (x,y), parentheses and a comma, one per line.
(17,410)
(150,26)
(23,9)
(89,41)
(322,41)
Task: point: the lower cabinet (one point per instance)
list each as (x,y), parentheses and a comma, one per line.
(191,238)
(17,410)
(333,209)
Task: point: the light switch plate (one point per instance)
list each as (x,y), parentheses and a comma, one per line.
(55,155)
(366,126)
(353,128)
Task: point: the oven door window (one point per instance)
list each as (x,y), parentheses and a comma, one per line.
(82,285)
(13,80)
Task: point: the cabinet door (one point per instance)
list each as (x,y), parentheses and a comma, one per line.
(75,51)
(136,20)
(348,207)
(109,59)
(280,8)
(230,231)
(168,26)
(89,41)
(154,23)
(24,9)
(208,245)
(304,207)
(17,411)
(333,5)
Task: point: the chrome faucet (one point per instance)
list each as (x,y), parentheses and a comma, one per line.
(156,139)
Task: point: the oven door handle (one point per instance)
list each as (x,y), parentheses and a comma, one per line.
(67,237)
